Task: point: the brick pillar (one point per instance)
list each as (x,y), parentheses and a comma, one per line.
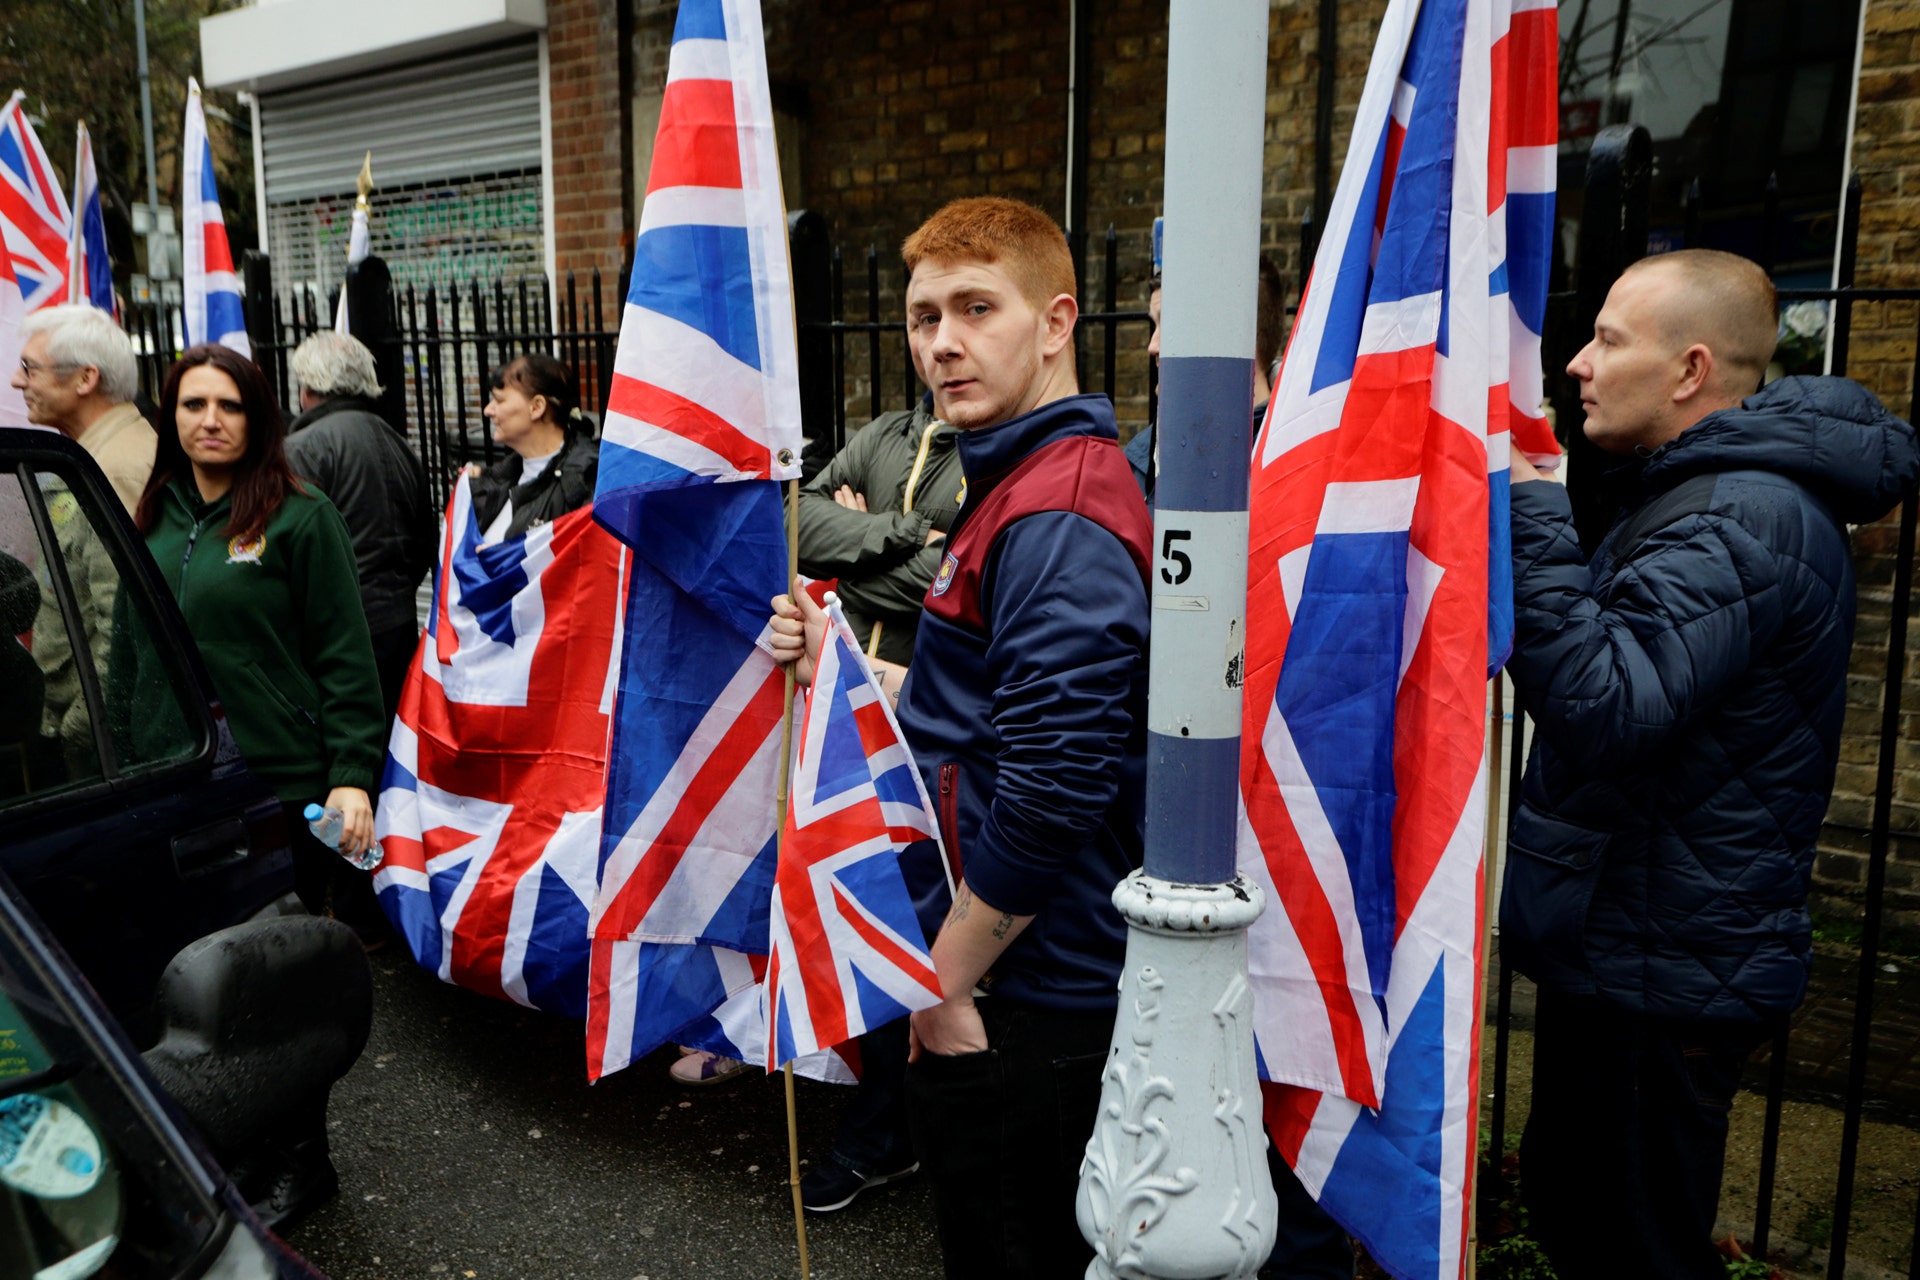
(1886,151)
(589,170)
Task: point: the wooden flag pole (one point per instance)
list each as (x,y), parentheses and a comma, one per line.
(1495,738)
(780,802)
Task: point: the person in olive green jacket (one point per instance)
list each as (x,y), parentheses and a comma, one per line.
(263,570)
(876,518)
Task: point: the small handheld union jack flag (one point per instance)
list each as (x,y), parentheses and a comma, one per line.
(848,952)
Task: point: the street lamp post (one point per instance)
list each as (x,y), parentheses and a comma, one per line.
(1175,1180)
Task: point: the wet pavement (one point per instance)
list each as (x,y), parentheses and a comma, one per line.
(470,1147)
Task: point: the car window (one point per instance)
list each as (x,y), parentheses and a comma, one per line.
(86,692)
(86,1186)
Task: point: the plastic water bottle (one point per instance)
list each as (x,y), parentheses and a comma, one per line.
(327,825)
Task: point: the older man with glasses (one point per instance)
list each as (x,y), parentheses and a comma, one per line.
(78,376)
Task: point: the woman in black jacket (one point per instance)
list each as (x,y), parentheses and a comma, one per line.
(552,456)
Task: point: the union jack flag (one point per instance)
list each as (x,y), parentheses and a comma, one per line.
(1379,602)
(703,420)
(34,219)
(13,406)
(89,272)
(496,774)
(210,291)
(848,951)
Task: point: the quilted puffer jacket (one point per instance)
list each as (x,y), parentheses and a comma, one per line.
(1687,686)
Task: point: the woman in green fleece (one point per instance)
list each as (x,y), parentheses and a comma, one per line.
(263,570)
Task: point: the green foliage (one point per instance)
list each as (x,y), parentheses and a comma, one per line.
(77,61)
(1517,1257)
(1832,929)
(1749,1269)
(1506,1250)
(1817,1227)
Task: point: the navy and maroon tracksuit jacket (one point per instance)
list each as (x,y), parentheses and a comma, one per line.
(1025,704)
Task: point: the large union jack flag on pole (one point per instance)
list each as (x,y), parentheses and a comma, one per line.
(89,271)
(209,287)
(703,421)
(1379,601)
(13,405)
(848,950)
(496,774)
(34,219)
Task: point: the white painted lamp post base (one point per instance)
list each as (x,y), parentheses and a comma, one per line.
(1174,1185)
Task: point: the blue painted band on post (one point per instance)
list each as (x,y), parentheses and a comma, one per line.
(1206,433)
(1192,808)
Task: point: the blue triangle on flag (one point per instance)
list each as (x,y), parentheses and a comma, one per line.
(877,1008)
(555,966)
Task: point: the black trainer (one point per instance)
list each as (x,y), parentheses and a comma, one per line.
(832,1185)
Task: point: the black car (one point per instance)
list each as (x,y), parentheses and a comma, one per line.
(99,1173)
(158,861)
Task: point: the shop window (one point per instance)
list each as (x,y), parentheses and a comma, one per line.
(1733,92)
(1738,96)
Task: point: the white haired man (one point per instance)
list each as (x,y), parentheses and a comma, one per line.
(78,376)
(342,444)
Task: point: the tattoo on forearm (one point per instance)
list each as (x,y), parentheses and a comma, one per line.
(961,905)
(1004,923)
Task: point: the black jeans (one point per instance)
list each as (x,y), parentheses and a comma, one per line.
(1307,1243)
(1621,1160)
(874,1137)
(1001,1134)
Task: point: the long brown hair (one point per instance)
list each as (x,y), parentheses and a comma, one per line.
(262,480)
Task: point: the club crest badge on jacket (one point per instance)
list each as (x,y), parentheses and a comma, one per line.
(948,566)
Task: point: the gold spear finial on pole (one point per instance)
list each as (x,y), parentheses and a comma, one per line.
(365,182)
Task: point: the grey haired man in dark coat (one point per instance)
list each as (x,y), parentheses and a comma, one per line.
(342,444)
(1687,684)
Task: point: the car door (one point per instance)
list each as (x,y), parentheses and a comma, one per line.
(127,816)
(99,1176)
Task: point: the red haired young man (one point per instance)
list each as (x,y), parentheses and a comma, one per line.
(1026,711)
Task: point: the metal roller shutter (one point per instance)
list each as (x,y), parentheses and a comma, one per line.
(456,117)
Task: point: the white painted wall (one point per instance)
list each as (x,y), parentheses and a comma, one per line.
(290,42)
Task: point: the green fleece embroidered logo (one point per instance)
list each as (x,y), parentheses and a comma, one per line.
(246,550)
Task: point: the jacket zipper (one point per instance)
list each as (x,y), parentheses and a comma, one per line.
(950,816)
(906,506)
(919,465)
(193,537)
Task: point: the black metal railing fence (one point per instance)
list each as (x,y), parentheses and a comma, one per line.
(438,344)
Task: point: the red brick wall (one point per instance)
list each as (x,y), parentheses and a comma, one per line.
(906,104)
(1886,153)
(589,171)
